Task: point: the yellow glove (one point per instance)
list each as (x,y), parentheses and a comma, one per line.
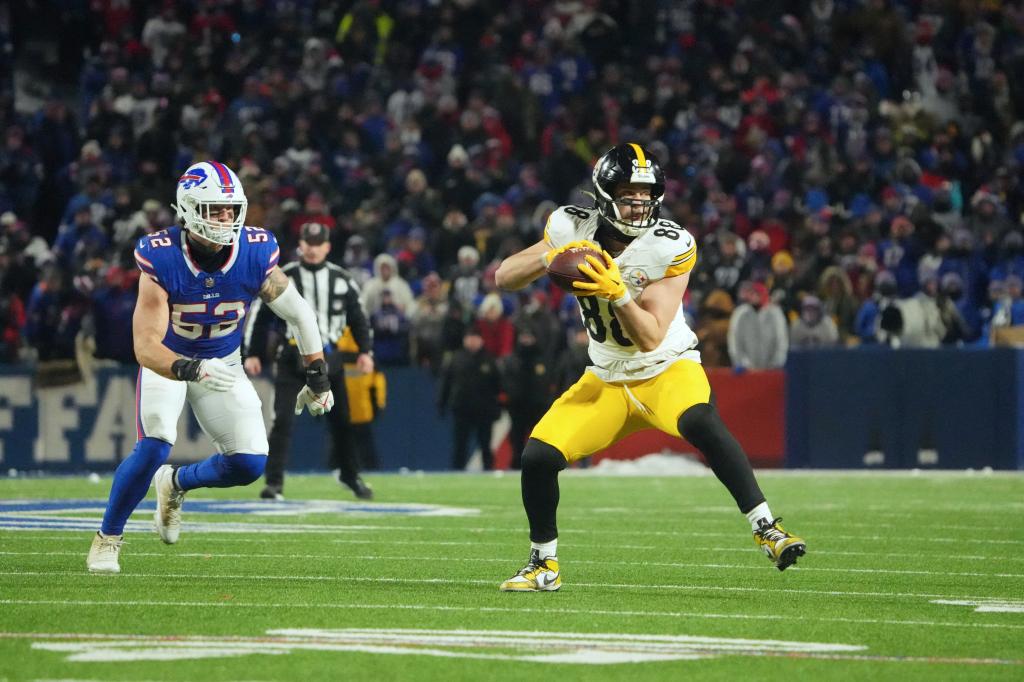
(549,256)
(605,280)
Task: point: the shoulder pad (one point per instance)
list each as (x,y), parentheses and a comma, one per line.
(565,222)
(264,244)
(152,249)
(672,246)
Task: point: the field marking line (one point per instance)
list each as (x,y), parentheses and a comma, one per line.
(664,564)
(818,552)
(326,529)
(502,609)
(669,587)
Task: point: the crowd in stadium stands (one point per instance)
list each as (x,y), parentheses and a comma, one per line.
(851,168)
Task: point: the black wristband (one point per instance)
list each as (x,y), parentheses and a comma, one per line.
(185,370)
(316,377)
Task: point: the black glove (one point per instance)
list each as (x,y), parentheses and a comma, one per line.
(316,377)
(185,370)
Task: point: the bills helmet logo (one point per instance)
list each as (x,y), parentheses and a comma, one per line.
(192,177)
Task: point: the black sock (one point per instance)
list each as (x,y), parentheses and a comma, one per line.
(702,426)
(541,464)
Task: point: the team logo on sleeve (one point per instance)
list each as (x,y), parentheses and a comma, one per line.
(194,176)
(637,277)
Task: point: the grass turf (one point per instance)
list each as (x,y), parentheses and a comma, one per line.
(641,558)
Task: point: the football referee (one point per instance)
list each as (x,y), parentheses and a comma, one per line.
(334,296)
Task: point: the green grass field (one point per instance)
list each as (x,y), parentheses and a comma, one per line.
(906,577)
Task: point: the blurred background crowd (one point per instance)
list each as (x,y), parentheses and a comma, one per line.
(851,168)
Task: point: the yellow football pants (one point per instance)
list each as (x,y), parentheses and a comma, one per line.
(592,414)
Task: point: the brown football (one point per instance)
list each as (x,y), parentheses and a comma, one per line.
(564,268)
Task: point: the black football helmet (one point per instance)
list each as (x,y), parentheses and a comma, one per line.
(628,164)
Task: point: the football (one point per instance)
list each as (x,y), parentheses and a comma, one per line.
(564,268)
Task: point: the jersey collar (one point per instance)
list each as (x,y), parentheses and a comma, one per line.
(193,266)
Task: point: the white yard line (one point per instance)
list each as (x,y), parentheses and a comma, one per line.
(659,564)
(818,552)
(503,609)
(491,530)
(674,587)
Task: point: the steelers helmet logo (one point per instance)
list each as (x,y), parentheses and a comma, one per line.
(643,171)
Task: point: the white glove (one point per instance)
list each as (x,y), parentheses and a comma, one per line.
(215,375)
(318,402)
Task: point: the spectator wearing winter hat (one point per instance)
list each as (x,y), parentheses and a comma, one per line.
(466,279)
(987,220)
(450,239)
(414,260)
(878,319)
(386,280)
(427,323)
(1011,257)
(862,270)
(900,254)
(837,299)
(922,321)
(757,265)
(968,262)
(356,259)
(712,328)
(758,333)
(958,315)
(813,328)
(79,241)
(497,331)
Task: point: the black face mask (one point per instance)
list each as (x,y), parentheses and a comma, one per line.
(887,289)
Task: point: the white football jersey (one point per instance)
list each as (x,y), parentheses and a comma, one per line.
(665,250)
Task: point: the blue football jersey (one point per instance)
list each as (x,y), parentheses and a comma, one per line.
(207,309)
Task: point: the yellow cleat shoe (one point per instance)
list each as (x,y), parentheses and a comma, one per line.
(782,547)
(539,575)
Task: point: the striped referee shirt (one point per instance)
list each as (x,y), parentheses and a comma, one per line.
(333,295)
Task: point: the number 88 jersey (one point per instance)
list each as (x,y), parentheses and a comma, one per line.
(665,250)
(207,309)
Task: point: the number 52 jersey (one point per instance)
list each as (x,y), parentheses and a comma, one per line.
(207,309)
(662,251)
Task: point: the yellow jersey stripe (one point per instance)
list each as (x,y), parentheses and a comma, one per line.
(681,268)
(685,256)
(640,158)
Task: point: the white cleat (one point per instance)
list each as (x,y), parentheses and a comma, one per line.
(104,553)
(168,505)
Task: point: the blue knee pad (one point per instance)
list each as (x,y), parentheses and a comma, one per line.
(222,471)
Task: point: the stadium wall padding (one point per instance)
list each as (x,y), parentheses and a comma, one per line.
(863,408)
(927,409)
(91,426)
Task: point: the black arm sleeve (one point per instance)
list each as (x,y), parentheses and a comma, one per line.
(356,318)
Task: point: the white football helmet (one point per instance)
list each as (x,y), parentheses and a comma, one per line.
(203,191)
